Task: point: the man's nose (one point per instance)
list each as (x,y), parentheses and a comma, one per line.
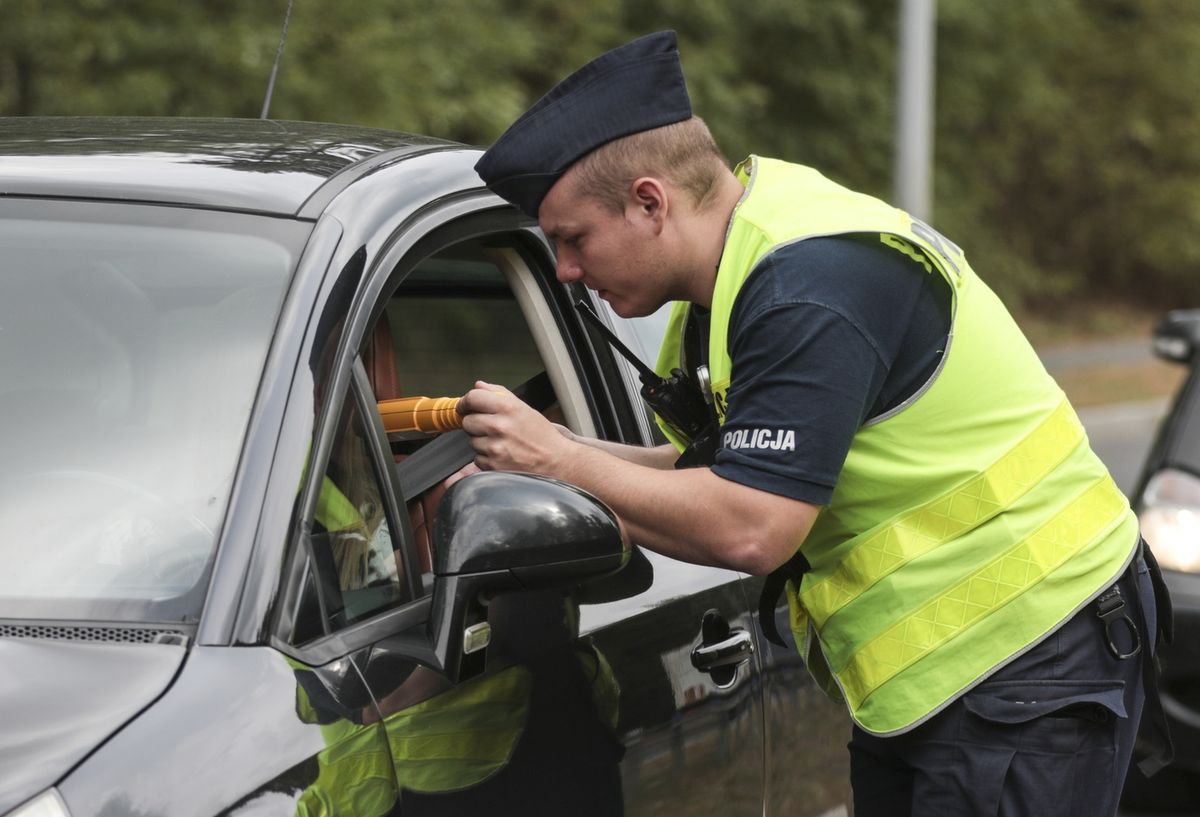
(567,270)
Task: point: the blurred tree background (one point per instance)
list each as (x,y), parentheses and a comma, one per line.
(1067,156)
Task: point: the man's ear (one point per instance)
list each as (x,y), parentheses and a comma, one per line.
(648,199)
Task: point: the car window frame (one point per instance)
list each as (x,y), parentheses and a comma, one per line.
(595,371)
(443,226)
(302,563)
(358,400)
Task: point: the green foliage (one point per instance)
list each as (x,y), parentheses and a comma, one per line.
(1067,152)
(134,57)
(1067,157)
(805,81)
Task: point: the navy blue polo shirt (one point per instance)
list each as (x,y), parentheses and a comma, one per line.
(825,335)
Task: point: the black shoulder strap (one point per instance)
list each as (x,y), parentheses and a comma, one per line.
(794,569)
(1155,736)
(694,349)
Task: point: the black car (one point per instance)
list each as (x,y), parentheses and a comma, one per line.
(227,588)
(1167,499)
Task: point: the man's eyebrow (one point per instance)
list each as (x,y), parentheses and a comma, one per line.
(558,232)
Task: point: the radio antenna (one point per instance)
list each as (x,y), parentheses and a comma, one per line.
(275,68)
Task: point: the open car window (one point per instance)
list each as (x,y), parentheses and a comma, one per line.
(472,310)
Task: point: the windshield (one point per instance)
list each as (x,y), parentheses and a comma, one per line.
(132,341)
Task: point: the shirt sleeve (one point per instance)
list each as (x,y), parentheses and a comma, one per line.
(815,334)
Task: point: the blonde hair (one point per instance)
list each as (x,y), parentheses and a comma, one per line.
(683,152)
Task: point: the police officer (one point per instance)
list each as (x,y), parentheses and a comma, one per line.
(962,570)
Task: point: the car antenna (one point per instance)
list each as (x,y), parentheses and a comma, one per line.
(287,15)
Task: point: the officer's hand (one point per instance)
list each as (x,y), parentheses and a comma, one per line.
(508,435)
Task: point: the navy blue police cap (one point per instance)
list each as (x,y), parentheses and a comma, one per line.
(634,87)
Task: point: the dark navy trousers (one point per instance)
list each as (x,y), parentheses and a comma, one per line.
(1050,734)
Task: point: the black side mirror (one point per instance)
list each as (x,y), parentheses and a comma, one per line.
(497,532)
(1177,336)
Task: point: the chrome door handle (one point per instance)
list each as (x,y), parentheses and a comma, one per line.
(727,652)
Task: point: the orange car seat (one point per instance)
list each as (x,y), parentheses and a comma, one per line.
(379,359)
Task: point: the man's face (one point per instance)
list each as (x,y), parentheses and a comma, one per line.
(611,252)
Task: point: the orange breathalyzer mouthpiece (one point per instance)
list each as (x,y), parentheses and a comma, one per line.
(425,414)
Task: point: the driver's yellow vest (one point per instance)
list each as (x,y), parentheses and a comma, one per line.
(968,522)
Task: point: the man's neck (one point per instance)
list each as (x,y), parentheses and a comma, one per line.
(713,230)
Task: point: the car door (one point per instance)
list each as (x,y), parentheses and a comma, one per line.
(588,698)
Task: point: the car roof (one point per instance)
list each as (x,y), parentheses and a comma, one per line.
(255,165)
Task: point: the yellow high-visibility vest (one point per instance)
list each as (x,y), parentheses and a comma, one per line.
(967,523)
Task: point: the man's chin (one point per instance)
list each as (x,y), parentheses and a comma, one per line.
(625,309)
